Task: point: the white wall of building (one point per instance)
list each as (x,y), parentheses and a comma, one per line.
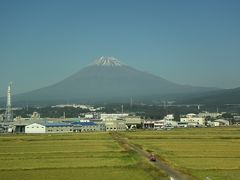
(159,124)
(35,128)
(172,123)
(213,124)
(84,120)
(133,120)
(193,120)
(112,116)
(164,123)
(222,122)
(90,116)
(206,114)
(115,125)
(169,117)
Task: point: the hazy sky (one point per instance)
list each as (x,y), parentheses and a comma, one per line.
(193,42)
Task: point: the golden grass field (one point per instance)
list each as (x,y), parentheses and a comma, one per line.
(67,156)
(200,152)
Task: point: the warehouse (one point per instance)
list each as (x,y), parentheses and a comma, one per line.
(59,128)
(115,125)
(87,126)
(35,128)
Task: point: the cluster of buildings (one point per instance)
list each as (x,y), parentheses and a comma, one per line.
(50,127)
(106,122)
(203,119)
(94,121)
(111,122)
(188,120)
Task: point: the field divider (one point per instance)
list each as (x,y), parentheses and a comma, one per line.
(159,164)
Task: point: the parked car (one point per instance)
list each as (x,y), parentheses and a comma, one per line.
(152,157)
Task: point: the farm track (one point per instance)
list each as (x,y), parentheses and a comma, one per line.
(159,164)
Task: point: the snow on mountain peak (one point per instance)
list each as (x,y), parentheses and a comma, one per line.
(107,61)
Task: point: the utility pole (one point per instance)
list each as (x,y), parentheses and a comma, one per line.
(199,107)
(131,102)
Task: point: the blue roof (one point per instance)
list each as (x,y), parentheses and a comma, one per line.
(84,123)
(57,125)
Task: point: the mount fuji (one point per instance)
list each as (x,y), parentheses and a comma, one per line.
(108,80)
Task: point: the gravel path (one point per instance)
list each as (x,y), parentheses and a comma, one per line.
(171,172)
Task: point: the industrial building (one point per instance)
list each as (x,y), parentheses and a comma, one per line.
(115,125)
(133,121)
(112,116)
(222,122)
(88,126)
(35,128)
(159,124)
(193,120)
(148,124)
(58,128)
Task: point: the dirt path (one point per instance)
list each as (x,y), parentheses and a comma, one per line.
(171,172)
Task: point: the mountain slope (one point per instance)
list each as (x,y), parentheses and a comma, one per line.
(228,96)
(107,78)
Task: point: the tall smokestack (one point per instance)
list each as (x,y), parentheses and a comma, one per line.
(9,95)
(9,115)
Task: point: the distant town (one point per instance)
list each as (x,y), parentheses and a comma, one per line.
(76,118)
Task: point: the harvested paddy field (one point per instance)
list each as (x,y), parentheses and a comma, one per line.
(69,156)
(201,153)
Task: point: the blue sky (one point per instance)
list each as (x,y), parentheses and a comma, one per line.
(193,42)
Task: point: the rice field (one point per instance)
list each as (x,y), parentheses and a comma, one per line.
(203,152)
(67,156)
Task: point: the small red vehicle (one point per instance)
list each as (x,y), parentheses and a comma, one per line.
(152,157)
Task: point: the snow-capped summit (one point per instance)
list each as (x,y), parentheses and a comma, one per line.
(109,80)
(107,61)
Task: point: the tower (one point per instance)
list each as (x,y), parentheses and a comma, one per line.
(9,114)
(199,107)
(131,102)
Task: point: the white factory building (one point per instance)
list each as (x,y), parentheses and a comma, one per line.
(112,116)
(114,122)
(193,120)
(115,125)
(209,114)
(218,122)
(222,122)
(35,128)
(165,123)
